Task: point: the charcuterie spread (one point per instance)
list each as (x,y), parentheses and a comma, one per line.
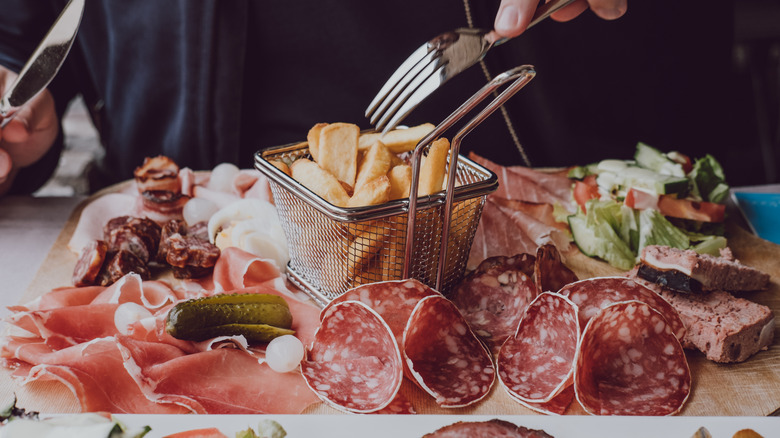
(177,302)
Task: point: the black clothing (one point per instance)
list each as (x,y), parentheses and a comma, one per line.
(212,81)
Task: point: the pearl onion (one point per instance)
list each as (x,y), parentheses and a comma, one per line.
(284,353)
(198,210)
(222,177)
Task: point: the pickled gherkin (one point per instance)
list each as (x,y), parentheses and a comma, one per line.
(258,317)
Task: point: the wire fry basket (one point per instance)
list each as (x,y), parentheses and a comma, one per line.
(333,249)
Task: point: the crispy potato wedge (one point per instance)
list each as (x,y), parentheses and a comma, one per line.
(375,163)
(279,164)
(313,137)
(434,167)
(374,192)
(400,181)
(397,140)
(362,248)
(338,150)
(319,181)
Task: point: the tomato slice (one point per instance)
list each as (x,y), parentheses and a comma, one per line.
(585,190)
(695,210)
(641,200)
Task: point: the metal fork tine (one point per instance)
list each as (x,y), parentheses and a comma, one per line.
(412,96)
(413,60)
(409,80)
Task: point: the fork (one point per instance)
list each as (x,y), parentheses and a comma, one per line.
(433,64)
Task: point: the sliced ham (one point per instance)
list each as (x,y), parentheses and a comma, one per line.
(526,184)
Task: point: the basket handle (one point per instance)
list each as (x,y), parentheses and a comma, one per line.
(523,74)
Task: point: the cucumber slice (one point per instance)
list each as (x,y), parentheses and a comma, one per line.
(600,240)
(651,158)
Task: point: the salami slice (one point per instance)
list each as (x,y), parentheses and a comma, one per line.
(550,274)
(486,429)
(89,263)
(630,363)
(444,356)
(392,300)
(536,364)
(594,294)
(494,296)
(557,406)
(354,363)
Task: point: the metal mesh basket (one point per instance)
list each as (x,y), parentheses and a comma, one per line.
(333,249)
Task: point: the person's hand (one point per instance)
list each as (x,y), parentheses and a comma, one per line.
(514,15)
(28,136)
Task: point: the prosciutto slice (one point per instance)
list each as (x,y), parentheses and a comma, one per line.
(71,336)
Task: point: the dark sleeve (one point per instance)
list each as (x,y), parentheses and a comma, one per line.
(23,24)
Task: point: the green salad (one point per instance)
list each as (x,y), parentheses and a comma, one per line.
(655,199)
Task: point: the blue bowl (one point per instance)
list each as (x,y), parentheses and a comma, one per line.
(762,211)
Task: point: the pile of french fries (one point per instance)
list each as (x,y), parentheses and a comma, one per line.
(348,168)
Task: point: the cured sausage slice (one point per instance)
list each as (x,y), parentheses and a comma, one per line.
(89,263)
(536,363)
(630,363)
(550,274)
(444,356)
(354,363)
(392,300)
(594,294)
(557,406)
(494,296)
(486,429)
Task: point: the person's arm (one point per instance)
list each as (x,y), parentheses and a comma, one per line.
(28,137)
(514,15)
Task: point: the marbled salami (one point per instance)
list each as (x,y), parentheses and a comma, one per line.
(557,406)
(594,294)
(631,363)
(392,300)
(444,356)
(550,274)
(89,263)
(494,296)
(486,429)
(536,364)
(354,363)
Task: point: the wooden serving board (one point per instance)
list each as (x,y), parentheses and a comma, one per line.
(751,388)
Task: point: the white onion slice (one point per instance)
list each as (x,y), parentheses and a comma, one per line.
(222,177)
(129,313)
(284,353)
(198,210)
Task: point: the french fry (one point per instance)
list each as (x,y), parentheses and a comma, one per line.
(374,192)
(400,181)
(433,167)
(279,164)
(362,248)
(397,140)
(337,151)
(375,163)
(313,137)
(319,181)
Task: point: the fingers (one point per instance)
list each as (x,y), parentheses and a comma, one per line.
(5,165)
(513,17)
(28,136)
(571,11)
(609,9)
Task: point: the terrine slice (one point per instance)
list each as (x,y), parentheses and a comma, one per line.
(725,328)
(708,273)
